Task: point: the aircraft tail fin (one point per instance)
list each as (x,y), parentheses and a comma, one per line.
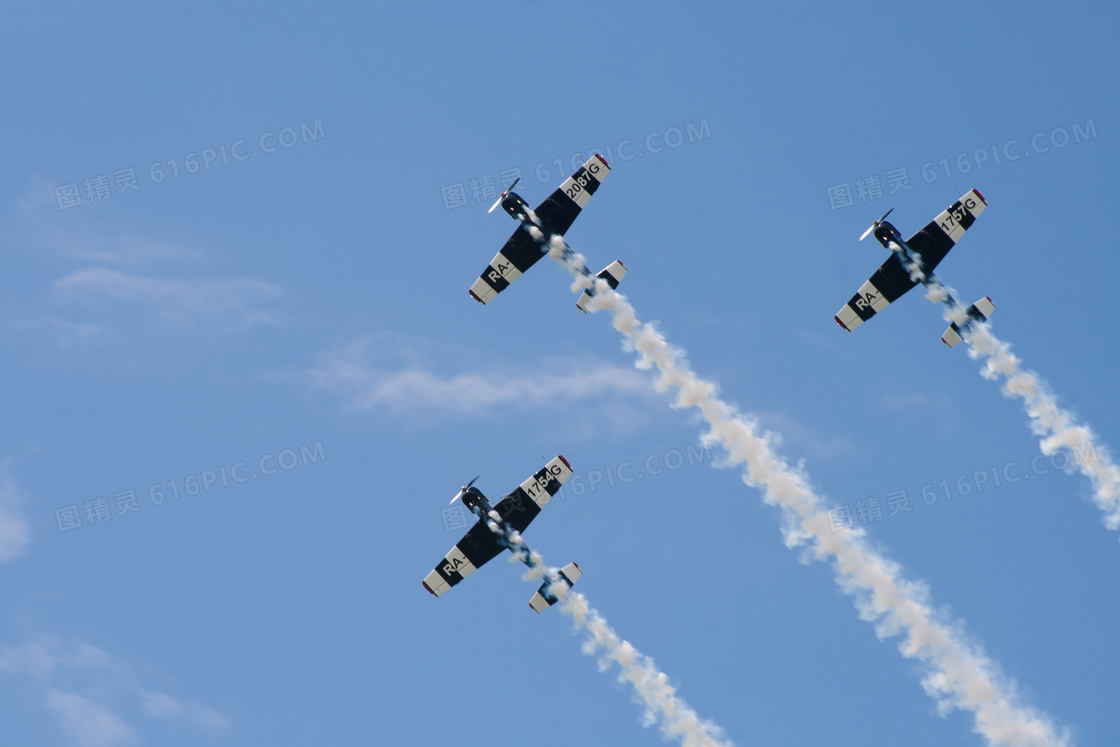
(612,273)
(979,312)
(542,600)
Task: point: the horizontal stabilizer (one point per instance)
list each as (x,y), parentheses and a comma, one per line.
(612,273)
(542,600)
(978,312)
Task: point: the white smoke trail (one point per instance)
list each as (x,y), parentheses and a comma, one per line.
(676,719)
(1057,427)
(664,707)
(959,674)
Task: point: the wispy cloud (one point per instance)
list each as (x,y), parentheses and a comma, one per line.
(119,268)
(813,339)
(817,446)
(230,305)
(361,374)
(89,724)
(163,706)
(46,657)
(15,532)
(931,407)
(84,687)
(71,234)
(60,334)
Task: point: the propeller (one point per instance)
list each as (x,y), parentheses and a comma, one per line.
(875,224)
(501,197)
(463,490)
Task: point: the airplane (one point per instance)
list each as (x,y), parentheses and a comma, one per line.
(513,513)
(533,237)
(927,247)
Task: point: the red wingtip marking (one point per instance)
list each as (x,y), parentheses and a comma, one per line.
(565,461)
(980,195)
(620,262)
(841,324)
(425,585)
(576,564)
(608,165)
(474,296)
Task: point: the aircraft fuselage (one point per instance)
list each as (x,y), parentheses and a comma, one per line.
(516,207)
(476,501)
(888,235)
(885,232)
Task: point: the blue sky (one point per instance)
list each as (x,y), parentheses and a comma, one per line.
(295,316)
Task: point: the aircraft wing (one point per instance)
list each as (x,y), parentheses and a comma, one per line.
(479,545)
(556,215)
(892,279)
(519,254)
(562,207)
(940,235)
